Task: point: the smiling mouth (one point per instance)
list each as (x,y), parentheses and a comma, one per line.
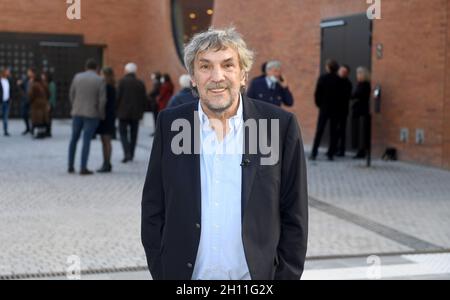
(217,91)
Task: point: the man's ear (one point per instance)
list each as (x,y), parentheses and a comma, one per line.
(244,78)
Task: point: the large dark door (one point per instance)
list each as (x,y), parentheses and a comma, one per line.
(62,55)
(349,41)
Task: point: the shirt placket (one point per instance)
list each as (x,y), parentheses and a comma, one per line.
(216,206)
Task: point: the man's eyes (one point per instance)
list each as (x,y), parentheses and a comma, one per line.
(206,67)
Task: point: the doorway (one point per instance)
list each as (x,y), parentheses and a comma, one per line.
(62,55)
(348,40)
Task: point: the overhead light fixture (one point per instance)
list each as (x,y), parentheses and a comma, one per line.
(210,12)
(328,24)
(192,16)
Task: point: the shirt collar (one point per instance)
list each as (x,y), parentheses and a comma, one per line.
(269,82)
(235,121)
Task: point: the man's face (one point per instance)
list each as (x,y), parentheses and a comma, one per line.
(274,72)
(218,78)
(30,74)
(343,72)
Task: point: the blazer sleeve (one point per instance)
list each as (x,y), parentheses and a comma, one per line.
(318,93)
(143,97)
(293,207)
(251,92)
(72,92)
(153,207)
(288,99)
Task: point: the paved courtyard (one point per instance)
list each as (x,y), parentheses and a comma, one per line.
(396,210)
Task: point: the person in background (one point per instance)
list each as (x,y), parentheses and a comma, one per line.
(344,103)
(39,105)
(166,92)
(361,111)
(48,80)
(131,101)
(107,127)
(88,99)
(154,93)
(272,88)
(6,96)
(185,95)
(327,98)
(25,85)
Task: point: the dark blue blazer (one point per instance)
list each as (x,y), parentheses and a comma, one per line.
(183,97)
(259,90)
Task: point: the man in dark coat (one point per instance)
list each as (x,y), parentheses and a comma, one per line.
(185,95)
(273,87)
(131,101)
(327,97)
(225,213)
(344,104)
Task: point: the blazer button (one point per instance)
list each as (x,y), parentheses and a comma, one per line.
(198,226)
(189,265)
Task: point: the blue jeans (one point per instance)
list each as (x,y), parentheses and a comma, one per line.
(88,126)
(5,115)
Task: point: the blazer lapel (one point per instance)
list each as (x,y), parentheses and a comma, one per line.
(194,159)
(250,160)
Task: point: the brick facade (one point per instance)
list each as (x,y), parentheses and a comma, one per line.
(413,71)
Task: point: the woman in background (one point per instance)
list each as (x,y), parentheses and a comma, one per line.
(361,111)
(51,85)
(107,127)
(166,92)
(40,107)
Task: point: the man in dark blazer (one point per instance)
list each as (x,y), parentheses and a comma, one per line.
(272,88)
(225,216)
(131,101)
(344,105)
(328,97)
(185,94)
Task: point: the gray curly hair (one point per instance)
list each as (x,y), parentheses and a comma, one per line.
(218,39)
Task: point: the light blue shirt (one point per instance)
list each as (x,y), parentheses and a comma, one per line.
(6,87)
(221,251)
(270,83)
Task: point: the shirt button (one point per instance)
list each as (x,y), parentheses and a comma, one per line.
(189,265)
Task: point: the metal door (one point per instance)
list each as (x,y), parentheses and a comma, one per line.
(349,41)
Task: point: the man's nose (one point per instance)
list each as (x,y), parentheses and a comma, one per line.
(217,74)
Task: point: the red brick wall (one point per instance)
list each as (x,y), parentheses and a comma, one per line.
(413,72)
(133,30)
(446,111)
(288,30)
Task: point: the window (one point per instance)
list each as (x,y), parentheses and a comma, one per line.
(188,18)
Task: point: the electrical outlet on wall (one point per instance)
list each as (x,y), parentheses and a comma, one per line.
(420,136)
(404,135)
